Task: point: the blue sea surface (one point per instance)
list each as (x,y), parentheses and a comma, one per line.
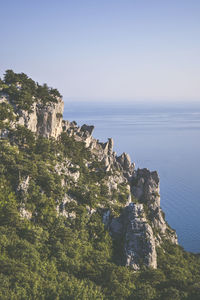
(158,136)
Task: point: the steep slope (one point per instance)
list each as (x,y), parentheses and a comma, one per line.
(75,218)
(147,227)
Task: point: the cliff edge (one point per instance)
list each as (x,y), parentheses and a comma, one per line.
(130,208)
(77,220)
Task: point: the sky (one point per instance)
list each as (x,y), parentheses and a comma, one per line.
(105,49)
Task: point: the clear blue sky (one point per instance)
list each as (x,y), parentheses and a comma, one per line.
(105,49)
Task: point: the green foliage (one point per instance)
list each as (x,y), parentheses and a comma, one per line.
(53,257)
(6,115)
(23,91)
(76,151)
(6,112)
(46,94)
(47,255)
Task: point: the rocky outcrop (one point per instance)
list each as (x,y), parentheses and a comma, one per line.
(140,232)
(141,226)
(139,243)
(139,246)
(29,120)
(49,119)
(87,130)
(102,151)
(101,181)
(145,187)
(44,120)
(123,162)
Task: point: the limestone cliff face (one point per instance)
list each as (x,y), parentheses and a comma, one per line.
(139,243)
(131,227)
(49,119)
(42,120)
(141,231)
(145,188)
(140,226)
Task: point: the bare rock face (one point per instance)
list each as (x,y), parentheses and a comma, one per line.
(42,120)
(123,162)
(102,151)
(139,239)
(145,187)
(29,120)
(139,245)
(141,226)
(108,147)
(87,129)
(140,230)
(81,134)
(49,119)
(143,184)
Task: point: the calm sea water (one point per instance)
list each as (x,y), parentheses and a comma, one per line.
(162,137)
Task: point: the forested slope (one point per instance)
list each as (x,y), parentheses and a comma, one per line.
(76,220)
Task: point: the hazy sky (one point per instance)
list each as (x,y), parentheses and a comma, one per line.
(105,49)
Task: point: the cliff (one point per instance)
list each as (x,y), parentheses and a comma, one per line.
(44,120)
(140,223)
(78,221)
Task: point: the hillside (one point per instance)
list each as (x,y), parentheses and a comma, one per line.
(76,220)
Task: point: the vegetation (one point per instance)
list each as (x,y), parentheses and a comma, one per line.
(23,91)
(47,255)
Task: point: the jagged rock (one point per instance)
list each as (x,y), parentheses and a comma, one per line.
(140,227)
(114,180)
(144,184)
(29,120)
(42,120)
(145,188)
(102,151)
(88,141)
(125,161)
(65,125)
(108,147)
(49,119)
(87,129)
(139,239)
(73,124)
(124,164)
(131,226)
(139,244)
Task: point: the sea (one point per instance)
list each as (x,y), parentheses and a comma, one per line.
(162,136)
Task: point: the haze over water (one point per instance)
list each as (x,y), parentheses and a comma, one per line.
(162,137)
